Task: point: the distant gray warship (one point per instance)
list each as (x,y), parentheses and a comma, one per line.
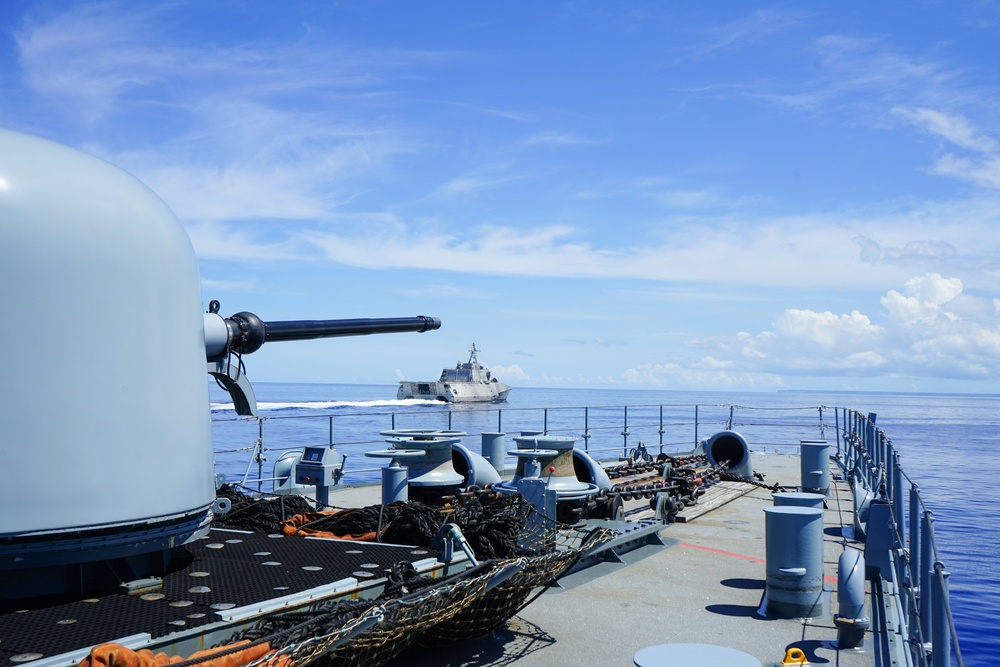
(467,382)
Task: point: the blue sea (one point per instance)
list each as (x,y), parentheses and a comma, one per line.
(948,444)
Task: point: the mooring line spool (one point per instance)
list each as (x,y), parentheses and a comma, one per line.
(435,469)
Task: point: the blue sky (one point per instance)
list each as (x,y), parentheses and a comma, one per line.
(679,195)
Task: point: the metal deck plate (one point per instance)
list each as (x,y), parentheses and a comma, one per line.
(228,569)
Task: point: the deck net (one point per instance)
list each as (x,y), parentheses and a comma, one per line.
(417,610)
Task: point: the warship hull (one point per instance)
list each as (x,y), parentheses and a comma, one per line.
(454,392)
(467,382)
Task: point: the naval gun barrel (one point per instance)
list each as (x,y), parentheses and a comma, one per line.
(244,332)
(304,329)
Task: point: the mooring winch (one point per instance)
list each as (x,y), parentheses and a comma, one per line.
(430,472)
(551,459)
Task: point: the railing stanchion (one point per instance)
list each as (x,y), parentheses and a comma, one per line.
(625,434)
(897,496)
(662,431)
(940,634)
(913,578)
(836,425)
(696,426)
(926,565)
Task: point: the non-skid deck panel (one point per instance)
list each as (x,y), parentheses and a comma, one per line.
(228,569)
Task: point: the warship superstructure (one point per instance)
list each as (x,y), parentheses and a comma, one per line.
(467,382)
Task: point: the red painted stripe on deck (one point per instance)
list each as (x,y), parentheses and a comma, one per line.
(752,559)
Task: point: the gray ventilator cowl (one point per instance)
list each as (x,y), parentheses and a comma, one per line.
(732,447)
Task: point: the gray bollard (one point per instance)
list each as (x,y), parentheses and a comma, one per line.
(851,621)
(814,458)
(493,450)
(703,655)
(394,486)
(798,499)
(794,562)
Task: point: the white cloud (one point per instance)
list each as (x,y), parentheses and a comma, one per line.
(707,373)
(922,301)
(820,250)
(447,291)
(981,168)
(955,129)
(220,241)
(751,29)
(553,138)
(984,171)
(929,329)
(508,374)
(826,329)
(465,186)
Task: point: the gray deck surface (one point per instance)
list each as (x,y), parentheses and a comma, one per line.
(705,586)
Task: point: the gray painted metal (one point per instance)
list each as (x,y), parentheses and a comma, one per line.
(851,621)
(814,459)
(478,471)
(87,243)
(493,450)
(703,655)
(794,562)
(733,447)
(394,487)
(597,474)
(798,499)
(555,456)
(435,468)
(540,525)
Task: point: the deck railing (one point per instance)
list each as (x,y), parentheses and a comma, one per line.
(919,578)
(605,432)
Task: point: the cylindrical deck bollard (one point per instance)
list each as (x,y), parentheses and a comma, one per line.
(704,655)
(493,450)
(814,458)
(851,621)
(794,562)
(798,499)
(394,487)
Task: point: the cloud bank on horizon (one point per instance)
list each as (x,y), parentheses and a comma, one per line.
(636,195)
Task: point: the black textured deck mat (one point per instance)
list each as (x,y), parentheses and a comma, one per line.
(238,569)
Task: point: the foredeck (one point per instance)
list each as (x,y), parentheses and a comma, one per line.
(704,586)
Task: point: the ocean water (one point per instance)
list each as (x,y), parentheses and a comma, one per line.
(948,444)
